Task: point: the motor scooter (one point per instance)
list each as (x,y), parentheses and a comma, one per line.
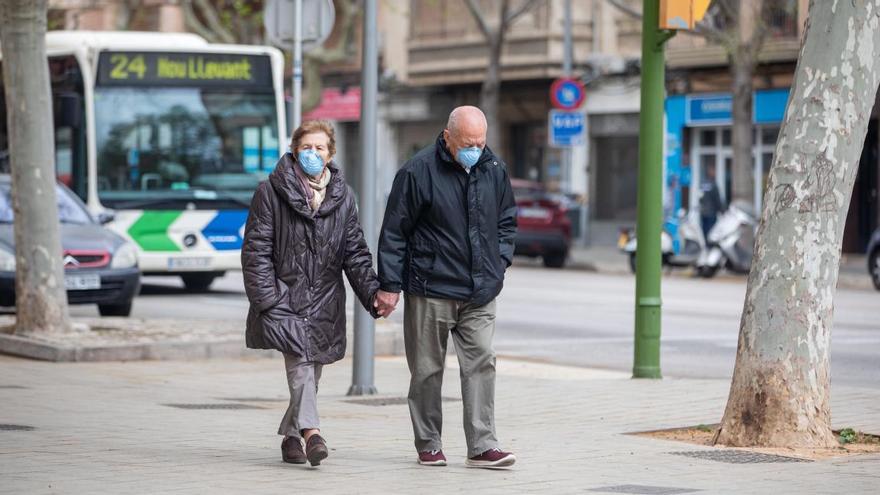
(681,241)
(730,242)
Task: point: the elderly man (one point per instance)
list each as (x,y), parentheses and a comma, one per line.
(446,241)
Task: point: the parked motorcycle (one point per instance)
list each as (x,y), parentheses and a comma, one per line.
(681,241)
(731,241)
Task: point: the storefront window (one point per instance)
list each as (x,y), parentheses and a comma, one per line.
(712,148)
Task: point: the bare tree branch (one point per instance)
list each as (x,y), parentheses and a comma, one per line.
(626,9)
(194,24)
(320,56)
(125,12)
(711,33)
(761,14)
(480,18)
(523,8)
(211,16)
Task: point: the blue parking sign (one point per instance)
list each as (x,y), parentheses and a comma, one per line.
(567,128)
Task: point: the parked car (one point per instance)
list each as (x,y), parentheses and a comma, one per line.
(544,229)
(100,267)
(874,258)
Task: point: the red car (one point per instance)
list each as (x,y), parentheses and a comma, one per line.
(543,226)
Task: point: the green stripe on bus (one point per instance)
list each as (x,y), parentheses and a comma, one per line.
(150,231)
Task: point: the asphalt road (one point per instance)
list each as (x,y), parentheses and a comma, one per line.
(586,319)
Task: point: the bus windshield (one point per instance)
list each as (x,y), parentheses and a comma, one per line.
(169,143)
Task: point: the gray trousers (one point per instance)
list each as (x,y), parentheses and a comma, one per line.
(427,325)
(302,412)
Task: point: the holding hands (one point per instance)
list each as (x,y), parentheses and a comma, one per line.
(385,302)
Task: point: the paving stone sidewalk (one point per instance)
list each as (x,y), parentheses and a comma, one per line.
(209,427)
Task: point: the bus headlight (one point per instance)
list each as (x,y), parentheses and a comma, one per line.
(7,261)
(125,257)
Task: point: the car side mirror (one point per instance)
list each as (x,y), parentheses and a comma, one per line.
(106,217)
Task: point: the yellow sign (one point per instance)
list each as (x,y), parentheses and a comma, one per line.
(682,14)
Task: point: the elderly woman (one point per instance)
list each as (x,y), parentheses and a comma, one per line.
(302,233)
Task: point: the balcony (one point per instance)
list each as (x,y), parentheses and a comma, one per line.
(782,44)
(445,45)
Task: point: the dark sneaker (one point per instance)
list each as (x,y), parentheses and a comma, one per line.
(292,451)
(432,458)
(491,459)
(316,450)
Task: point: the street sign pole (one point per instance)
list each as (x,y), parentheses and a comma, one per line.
(298,26)
(650,195)
(566,72)
(364,325)
(296,83)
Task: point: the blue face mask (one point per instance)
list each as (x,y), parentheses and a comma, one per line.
(310,162)
(468,157)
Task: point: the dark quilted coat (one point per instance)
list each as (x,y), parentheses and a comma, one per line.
(293,260)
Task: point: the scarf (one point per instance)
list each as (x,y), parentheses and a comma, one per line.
(316,187)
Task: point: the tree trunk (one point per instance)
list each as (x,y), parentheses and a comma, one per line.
(779,396)
(40,297)
(742,67)
(491,89)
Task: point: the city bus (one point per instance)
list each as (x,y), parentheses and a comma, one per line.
(165,137)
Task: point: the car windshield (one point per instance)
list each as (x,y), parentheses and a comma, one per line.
(70,210)
(181,143)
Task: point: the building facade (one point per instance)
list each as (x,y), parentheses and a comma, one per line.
(698,122)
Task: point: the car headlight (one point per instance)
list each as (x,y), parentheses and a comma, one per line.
(7,261)
(125,257)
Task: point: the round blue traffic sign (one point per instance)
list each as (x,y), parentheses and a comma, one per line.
(567,93)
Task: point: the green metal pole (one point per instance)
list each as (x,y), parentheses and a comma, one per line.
(650,197)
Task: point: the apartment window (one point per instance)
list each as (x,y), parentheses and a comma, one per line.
(782,18)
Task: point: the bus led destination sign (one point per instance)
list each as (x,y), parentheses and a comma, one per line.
(183,69)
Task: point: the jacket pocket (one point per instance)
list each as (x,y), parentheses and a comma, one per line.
(421,266)
(284,331)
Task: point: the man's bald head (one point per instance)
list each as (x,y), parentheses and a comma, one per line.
(465,128)
(466,117)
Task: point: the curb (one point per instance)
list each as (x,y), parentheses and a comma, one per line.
(388,342)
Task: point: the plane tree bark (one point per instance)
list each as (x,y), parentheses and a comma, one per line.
(40,296)
(779,395)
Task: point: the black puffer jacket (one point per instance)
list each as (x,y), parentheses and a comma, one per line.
(447,233)
(293,261)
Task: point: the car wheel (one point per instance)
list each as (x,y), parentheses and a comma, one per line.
(115,309)
(875,268)
(198,282)
(707,271)
(555,260)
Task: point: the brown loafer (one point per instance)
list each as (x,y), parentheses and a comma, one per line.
(292,451)
(316,450)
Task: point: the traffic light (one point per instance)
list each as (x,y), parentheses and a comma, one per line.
(682,14)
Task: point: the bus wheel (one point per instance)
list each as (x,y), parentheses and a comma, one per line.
(198,282)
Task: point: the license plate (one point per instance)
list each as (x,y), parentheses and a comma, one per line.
(82,282)
(188,263)
(541,213)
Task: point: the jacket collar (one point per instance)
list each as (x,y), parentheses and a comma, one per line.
(446,157)
(288,186)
